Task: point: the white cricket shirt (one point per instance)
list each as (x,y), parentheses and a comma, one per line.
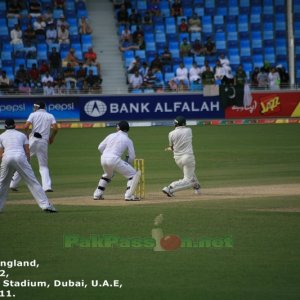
(181,140)
(115,144)
(41,122)
(13,141)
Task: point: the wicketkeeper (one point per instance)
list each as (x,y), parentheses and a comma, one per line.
(112,148)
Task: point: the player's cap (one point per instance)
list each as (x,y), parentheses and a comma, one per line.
(10,124)
(180,121)
(39,105)
(123,125)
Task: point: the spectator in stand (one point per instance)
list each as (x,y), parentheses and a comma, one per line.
(72,89)
(34,76)
(71,58)
(224,60)
(166,57)
(48,16)
(183,26)
(48,89)
(39,26)
(135,17)
(284,76)
(14,9)
(35,8)
(197,48)
(137,33)
(176,9)
(127,4)
(156,64)
(126,35)
(254,81)
(154,8)
(29,37)
(182,77)
(59,4)
(90,59)
(93,82)
(51,34)
(59,86)
(16,35)
(210,47)
(228,78)
(62,22)
(4,83)
(122,15)
(149,81)
(262,78)
(274,79)
(144,69)
(69,74)
(80,76)
(147,18)
(117,3)
(195,73)
(194,23)
(207,75)
(84,26)
(44,67)
(63,35)
(219,72)
(47,77)
(138,45)
(54,58)
(134,65)
(21,76)
(185,48)
(135,81)
(240,78)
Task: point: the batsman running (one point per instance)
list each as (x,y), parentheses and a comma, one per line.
(112,148)
(180,142)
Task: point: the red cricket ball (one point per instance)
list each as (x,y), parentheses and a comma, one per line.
(170,242)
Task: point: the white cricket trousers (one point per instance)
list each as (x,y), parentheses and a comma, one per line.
(19,163)
(111,165)
(187,164)
(38,148)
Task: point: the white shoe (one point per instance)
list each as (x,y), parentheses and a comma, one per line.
(132,198)
(167,191)
(98,197)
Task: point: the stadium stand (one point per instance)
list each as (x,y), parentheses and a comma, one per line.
(250,33)
(36,51)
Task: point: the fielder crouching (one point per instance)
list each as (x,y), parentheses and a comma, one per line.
(112,148)
(180,142)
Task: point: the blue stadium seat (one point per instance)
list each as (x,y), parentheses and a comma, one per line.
(199,60)
(141,54)
(195,36)
(258,60)
(199,11)
(19,61)
(159,28)
(150,46)
(160,37)
(170,28)
(30,62)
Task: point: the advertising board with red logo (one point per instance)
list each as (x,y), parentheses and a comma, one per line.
(268,105)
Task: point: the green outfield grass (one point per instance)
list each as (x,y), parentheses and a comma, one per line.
(263,262)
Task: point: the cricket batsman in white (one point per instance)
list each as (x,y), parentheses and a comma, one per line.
(180,142)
